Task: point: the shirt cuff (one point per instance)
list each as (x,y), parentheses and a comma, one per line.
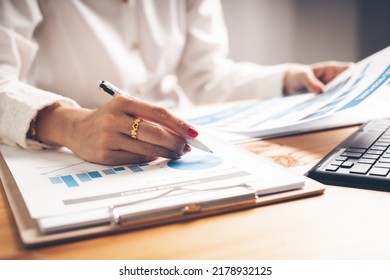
(20,104)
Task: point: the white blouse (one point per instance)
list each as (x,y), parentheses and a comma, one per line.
(170,52)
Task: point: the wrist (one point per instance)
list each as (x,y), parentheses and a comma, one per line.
(32,131)
(54,125)
(36,122)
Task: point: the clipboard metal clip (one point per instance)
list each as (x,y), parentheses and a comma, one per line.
(148,213)
(225,200)
(191,209)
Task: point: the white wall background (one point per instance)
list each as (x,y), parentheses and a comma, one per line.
(304,31)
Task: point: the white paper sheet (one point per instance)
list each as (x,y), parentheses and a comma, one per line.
(288,115)
(56,182)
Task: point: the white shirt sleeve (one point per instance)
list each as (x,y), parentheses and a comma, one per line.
(19,102)
(205,72)
(188,39)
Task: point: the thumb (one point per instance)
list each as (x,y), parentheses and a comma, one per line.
(311,83)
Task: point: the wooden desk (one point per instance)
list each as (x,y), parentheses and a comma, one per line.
(343,223)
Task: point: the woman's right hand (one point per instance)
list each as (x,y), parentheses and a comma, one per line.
(104,135)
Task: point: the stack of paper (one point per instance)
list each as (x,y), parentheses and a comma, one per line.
(344,102)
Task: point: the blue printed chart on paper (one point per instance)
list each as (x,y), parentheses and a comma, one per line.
(56,182)
(279,115)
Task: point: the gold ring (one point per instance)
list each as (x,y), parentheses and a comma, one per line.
(134,128)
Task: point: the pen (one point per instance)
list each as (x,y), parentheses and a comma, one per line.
(114,91)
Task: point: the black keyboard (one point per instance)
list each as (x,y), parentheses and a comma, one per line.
(362,160)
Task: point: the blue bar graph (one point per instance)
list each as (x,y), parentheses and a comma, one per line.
(55,180)
(135,168)
(75,180)
(84,177)
(121,168)
(94,174)
(108,171)
(69,181)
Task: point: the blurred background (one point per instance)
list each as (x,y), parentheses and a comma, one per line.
(306,31)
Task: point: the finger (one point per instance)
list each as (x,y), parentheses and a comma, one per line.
(151,133)
(136,146)
(310,81)
(156,114)
(327,71)
(157,135)
(112,149)
(120,157)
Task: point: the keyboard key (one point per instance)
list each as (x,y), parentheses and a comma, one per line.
(374,152)
(384,160)
(336,163)
(371,156)
(341,158)
(347,164)
(382,165)
(379,147)
(332,168)
(355,150)
(367,160)
(383,144)
(360,168)
(379,171)
(351,155)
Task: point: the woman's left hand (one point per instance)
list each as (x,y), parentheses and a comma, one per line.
(311,78)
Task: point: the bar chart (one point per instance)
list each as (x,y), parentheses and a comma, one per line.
(77,179)
(66,174)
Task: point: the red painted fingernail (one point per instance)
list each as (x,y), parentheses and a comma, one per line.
(192,132)
(317,89)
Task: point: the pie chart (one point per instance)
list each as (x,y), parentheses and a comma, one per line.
(195,162)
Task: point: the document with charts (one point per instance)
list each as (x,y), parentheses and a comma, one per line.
(348,99)
(63,192)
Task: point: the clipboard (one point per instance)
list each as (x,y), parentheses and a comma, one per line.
(117,219)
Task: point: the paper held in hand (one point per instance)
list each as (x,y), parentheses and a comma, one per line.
(351,98)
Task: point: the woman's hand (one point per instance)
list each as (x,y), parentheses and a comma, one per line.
(104,135)
(311,78)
